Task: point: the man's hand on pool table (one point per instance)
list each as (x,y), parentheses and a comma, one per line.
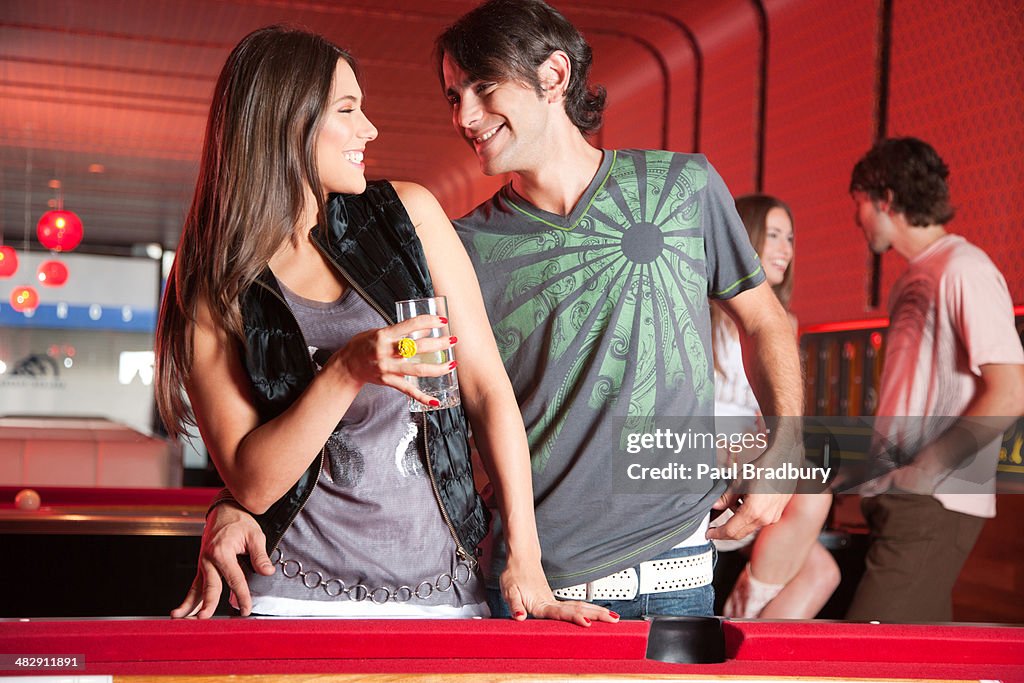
(229,532)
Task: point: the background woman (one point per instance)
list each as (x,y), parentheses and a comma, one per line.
(790,575)
(276,323)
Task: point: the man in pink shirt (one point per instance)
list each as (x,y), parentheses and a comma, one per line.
(952,382)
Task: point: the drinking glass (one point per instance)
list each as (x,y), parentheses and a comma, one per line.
(446,387)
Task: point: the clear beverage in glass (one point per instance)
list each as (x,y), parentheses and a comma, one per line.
(446,387)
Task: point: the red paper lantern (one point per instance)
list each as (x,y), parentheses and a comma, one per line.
(59,230)
(8,261)
(52,273)
(24,298)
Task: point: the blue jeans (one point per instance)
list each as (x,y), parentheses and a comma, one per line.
(691,602)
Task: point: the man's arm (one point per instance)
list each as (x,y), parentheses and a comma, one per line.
(772,366)
(997,404)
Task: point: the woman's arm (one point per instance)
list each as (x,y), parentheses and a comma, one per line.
(492,409)
(259,463)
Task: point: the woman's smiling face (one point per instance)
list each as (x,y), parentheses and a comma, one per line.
(777,250)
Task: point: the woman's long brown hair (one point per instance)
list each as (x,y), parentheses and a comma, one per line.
(257,160)
(753,210)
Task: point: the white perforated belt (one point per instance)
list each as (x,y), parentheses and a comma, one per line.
(656,576)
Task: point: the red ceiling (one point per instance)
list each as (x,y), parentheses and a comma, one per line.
(126,85)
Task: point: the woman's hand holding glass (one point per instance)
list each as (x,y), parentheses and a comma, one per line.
(372,357)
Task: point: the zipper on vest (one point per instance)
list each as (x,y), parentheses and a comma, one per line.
(460,550)
(305,499)
(321,455)
(352,283)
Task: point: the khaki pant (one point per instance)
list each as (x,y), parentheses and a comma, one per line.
(917,550)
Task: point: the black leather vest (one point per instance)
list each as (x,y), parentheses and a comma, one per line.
(370,239)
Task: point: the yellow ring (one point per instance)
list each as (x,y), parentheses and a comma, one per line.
(406,347)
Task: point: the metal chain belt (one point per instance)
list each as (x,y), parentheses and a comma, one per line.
(313,579)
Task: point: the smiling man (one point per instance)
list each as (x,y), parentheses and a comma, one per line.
(596,268)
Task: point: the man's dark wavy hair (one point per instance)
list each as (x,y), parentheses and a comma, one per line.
(504,40)
(913,172)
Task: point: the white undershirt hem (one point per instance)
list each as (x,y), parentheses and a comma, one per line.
(698,537)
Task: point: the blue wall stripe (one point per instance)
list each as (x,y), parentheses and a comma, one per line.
(77,317)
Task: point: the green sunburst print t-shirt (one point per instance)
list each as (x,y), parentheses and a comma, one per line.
(602,320)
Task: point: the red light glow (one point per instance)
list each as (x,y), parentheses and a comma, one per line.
(52,273)
(8,261)
(60,230)
(24,298)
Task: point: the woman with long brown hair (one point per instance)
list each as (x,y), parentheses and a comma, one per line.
(790,574)
(277,324)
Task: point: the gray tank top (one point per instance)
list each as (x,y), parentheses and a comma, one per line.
(372,519)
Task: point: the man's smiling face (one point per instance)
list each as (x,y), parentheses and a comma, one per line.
(503,121)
